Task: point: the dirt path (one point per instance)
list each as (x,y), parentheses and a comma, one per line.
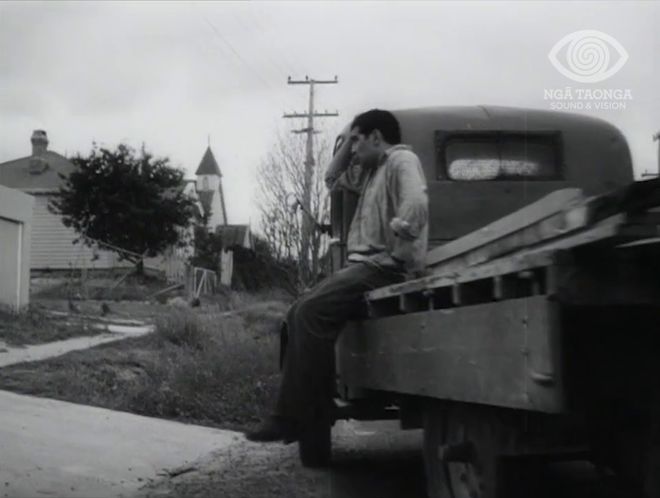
(369,460)
(11,355)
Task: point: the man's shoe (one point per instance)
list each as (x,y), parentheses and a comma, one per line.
(273,429)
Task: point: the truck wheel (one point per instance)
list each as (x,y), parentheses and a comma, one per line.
(315,443)
(435,426)
(651,480)
(463,449)
(630,446)
(640,454)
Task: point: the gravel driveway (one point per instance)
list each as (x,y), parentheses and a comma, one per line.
(370,460)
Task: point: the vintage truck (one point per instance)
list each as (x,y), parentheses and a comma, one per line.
(534,337)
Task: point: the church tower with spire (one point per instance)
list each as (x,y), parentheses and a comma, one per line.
(209,189)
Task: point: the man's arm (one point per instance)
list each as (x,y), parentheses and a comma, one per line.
(341,173)
(411,204)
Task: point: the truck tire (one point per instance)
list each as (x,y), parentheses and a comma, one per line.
(644,449)
(433,422)
(651,479)
(463,449)
(315,442)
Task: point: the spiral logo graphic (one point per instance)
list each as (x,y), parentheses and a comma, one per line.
(589,56)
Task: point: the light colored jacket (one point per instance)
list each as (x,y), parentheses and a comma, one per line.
(390,225)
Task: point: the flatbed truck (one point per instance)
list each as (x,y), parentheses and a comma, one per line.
(534,336)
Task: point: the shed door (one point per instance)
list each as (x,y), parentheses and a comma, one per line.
(10,254)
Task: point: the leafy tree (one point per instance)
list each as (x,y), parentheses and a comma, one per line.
(131,202)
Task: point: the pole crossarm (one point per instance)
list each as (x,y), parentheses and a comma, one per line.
(305,130)
(316,115)
(311,81)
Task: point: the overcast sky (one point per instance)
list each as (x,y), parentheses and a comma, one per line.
(171,74)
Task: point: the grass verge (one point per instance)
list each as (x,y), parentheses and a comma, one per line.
(100,287)
(218,369)
(36,326)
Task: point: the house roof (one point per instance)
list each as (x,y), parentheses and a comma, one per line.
(208,165)
(188,188)
(235,235)
(16,173)
(206,198)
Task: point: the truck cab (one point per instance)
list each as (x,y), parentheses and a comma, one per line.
(484,162)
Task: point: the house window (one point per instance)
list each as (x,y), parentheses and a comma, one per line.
(205,183)
(498,156)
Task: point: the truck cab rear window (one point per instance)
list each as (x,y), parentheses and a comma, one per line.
(499,157)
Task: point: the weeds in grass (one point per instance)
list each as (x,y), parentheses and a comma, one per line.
(34,326)
(201,365)
(182,328)
(134,288)
(219,370)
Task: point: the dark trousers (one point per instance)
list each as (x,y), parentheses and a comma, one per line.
(314,323)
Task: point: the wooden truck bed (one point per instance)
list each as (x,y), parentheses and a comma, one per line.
(485,325)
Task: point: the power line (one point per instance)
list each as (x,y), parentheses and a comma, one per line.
(236,53)
(283,54)
(225,46)
(265,53)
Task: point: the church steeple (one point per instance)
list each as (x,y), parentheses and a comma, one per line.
(208,165)
(209,189)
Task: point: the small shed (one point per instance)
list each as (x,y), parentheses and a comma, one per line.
(232,236)
(15,233)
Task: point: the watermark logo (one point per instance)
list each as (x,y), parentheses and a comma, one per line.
(589,56)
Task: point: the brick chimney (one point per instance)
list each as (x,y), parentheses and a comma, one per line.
(39,142)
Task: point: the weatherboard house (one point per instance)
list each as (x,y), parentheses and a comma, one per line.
(53,248)
(53,244)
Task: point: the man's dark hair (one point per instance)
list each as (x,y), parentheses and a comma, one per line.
(383,121)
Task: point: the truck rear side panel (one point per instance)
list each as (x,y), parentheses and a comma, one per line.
(501,353)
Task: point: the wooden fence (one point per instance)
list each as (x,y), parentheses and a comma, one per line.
(200,281)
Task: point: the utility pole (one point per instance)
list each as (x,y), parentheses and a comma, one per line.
(309,157)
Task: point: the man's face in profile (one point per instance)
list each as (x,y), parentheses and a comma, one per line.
(364,147)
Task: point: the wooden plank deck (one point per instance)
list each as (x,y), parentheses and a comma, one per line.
(553,217)
(530,216)
(494,280)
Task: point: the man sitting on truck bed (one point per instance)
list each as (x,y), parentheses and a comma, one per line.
(387,239)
